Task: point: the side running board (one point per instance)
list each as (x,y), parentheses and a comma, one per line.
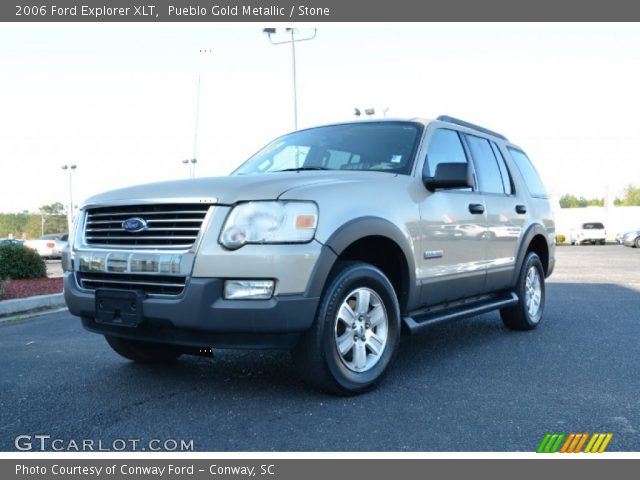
(417,321)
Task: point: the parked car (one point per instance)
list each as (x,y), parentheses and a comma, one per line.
(590,232)
(11,241)
(329,241)
(631,239)
(49,246)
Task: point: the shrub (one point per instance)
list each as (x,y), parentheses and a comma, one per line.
(561,239)
(18,262)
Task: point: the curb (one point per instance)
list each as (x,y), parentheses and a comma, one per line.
(24,305)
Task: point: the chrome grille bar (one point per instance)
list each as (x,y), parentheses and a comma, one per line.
(150,284)
(167,226)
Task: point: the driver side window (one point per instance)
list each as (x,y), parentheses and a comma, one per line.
(445,146)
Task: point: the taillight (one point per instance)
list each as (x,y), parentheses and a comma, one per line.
(50,244)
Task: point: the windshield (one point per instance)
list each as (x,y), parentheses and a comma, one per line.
(593,226)
(377,146)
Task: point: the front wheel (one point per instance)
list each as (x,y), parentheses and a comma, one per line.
(637,242)
(143,352)
(355,334)
(527,313)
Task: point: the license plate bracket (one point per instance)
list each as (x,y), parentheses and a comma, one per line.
(119,307)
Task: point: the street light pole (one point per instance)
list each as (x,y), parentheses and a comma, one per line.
(195,134)
(70,169)
(295,81)
(293,32)
(190,163)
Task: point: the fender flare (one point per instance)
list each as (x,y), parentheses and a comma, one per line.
(351,232)
(533,230)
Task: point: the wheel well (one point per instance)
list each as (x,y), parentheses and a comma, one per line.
(539,246)
(385,254)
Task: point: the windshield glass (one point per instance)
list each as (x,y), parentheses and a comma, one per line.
(377,146)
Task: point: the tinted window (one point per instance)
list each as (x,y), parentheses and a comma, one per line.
(531,177)
(504,171)
(444,147)
(487,170)
(289,157)
(337,160)
(593,226)
(378,146)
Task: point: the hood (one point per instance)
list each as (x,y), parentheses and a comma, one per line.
(226,190)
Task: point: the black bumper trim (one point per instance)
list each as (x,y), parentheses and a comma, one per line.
(201,313)
(161,332)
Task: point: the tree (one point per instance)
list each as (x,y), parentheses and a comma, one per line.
(630,197)
(52,219)
(13,224)
(55,208)
(571,201)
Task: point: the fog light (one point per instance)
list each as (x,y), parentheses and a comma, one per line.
(248,289)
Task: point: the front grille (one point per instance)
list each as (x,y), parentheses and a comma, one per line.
(170,225)
(151,284)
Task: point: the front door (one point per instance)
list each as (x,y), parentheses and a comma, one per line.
(454,230)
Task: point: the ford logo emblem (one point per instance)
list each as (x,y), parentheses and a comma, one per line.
(134,225)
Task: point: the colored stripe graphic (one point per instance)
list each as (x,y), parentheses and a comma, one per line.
(543,443)
(574,443)
(581,443)
(551,442)
(598,442)
(567,444)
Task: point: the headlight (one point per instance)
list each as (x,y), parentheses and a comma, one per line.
(269,222)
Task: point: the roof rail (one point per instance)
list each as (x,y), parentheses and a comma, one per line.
(462,123)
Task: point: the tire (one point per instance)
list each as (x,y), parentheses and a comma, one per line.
(603,242)
(524,315)
(143,352)
(356,296)
(637,242)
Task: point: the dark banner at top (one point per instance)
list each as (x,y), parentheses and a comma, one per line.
(316,10)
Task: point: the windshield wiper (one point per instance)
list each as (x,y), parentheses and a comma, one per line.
(300,169)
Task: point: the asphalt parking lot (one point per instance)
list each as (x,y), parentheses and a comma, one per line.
(465,386)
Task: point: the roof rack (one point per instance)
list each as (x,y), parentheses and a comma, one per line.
(462,123)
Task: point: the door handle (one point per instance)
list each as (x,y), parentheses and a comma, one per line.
(476,208)
(521,209)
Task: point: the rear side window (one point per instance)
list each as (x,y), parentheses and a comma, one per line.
(489,176)
(531,177)
(504,171)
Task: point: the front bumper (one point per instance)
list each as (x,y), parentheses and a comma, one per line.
(201,317)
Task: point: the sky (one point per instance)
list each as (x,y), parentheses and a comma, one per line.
(119,100)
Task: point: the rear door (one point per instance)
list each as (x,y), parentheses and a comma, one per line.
(505,214)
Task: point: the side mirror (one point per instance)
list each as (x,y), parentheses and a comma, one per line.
(449,175)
